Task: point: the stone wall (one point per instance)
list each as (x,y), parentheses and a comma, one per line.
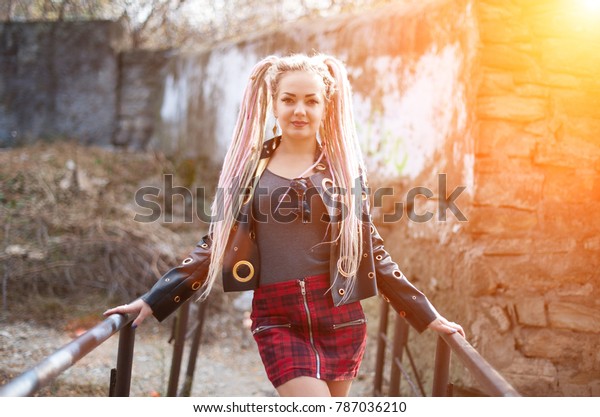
(536,216)
(522,274)
(59,80)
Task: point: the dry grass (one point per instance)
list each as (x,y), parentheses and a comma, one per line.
(67,223)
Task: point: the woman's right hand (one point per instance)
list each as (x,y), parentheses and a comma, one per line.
(139,307)
(441,325)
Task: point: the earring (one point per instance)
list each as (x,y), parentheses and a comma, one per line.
(275,129)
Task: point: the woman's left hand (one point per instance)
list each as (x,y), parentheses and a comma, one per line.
(441,325)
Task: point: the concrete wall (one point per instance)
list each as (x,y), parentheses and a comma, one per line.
(59,80)
(396,68)
(140,94)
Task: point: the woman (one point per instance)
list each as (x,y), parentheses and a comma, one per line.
(292,223)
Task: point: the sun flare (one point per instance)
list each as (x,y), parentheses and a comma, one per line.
(592,5)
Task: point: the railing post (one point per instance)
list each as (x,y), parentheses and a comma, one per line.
(186,390)
(113,382)
(381,346)
(124,361)
(400,340)
(441,371)
(180,330)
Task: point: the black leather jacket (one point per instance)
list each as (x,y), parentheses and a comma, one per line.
(241,269)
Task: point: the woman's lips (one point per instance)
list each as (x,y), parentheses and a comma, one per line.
(299,124)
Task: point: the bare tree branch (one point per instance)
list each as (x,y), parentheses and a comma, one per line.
(172,23)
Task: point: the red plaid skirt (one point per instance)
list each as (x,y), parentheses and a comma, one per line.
(305,334)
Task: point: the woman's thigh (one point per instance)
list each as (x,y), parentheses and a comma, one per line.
(304,386)
(339,388)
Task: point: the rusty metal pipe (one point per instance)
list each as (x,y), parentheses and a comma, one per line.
(441,371)
(186,390)
(381,348)
(46,371)
(489,380)
(180,331)
(124,361)
(400,341)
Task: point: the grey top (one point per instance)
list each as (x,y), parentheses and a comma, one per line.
(293,237)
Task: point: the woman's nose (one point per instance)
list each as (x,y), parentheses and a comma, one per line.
(299,109)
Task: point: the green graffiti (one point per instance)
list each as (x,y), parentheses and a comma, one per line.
(383,146)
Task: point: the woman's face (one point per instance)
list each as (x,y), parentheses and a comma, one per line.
(300,105)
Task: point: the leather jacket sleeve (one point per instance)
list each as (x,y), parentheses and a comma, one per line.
(404,297)
(180,282)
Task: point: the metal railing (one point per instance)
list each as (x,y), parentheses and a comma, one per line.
(181,333)
(489,381)
(29,382)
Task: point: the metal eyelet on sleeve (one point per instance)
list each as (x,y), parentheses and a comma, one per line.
(177,299)
(371,274)
(341,291)
(414,297)
(204,245)
(187,261)
(379,257)
(196,285)
(397,274)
